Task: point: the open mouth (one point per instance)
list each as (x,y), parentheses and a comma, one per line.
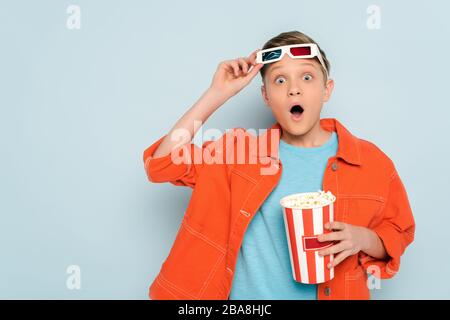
(297,110)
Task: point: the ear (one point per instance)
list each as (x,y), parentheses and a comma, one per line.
(264,95)
(329,86)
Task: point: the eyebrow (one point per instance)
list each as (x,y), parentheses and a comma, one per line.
(304,63)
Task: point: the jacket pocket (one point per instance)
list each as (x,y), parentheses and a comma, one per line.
(191,263)
(361,210)
(241,186)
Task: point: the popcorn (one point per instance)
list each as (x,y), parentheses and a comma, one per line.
(308,200)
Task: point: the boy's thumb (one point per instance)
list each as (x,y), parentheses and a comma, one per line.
(256,68)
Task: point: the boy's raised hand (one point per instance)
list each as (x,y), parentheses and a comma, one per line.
(233,75)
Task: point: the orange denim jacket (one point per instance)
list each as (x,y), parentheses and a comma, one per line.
(227,194)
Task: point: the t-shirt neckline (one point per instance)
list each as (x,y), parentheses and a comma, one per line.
(297,149)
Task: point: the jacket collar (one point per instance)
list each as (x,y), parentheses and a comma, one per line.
(349,148)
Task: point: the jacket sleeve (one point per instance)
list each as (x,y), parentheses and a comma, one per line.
(179,173)
(396,230)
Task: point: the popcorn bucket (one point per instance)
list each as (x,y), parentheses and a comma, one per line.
(305,215)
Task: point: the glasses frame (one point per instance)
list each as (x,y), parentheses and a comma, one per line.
(314,49)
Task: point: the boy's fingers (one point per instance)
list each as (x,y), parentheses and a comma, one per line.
(332,236)
(335,225)
(254,70)
(250,75)
(338,259)
(333,249)
(253,54)
(252,57)
(235,67)
(244,65)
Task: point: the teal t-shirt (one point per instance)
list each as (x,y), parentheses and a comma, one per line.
(263,270)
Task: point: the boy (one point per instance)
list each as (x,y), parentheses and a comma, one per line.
(232,243)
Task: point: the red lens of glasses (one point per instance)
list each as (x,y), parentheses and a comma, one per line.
(300,51)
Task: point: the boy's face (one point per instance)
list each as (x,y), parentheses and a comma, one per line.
(296,81)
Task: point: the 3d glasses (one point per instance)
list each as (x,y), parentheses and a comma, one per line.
(295,51)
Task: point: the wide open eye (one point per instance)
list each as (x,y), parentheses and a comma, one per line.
(282,78)
(307,77)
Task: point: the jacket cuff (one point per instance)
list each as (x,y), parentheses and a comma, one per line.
(162,169)
(394,243)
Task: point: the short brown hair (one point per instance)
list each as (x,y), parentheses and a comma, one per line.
(293,37)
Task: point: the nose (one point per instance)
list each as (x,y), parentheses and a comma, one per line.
(294,90)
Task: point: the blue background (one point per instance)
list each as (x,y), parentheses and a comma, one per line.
(78,108)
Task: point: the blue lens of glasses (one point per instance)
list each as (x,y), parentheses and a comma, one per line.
(271,55)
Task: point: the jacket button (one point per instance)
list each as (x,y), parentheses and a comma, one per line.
(334,166)
(327,291)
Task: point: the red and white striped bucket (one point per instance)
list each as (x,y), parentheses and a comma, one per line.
(302,228)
